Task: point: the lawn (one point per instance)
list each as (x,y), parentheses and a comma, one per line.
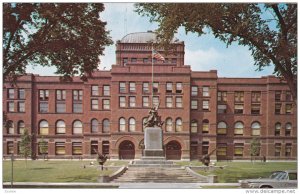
(56,171)
(235,171)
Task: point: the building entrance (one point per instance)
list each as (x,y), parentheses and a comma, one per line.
(126,150)
(173,150)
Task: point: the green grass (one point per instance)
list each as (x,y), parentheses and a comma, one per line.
(235,171)
(55,171)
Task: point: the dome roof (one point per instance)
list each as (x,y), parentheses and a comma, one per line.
(141,37)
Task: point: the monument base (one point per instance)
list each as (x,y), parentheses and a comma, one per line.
(154,153)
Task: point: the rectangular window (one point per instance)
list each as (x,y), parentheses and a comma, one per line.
(21,106)
(277,149)
(95,90)
(132,101)
(194,104)
(222,96)
(125,60)
(288,108)
(169,101)
(122,87)
(145,87)
(133,60)
(11,106)
(256,96)
(239,96)
(205,147)
(277,109)
(222,108)
(277,95)
(122,101)
(169,87)
(155,101)
(77,95)
(44,95)
(77,107)
(178,102)
(194,91)
(106,104)
(10,147)
(21,93)
(222,150)
(60,148)
(106,90)
(238,108)
(255,109)
(60,94)
(205,91)
(145,101)
(288,149)
(77,148)
(11,93)
(132,87)
(238,149)
(155,87)
(95,104)
(43,148)
(288,96)
(60,106)
(94,147)
(178,87)
(205,127)
(43,107)
(145,60)
(205,105)
(105,147)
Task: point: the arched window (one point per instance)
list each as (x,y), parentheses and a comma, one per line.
(106,126)
(131,124)
(77,127)
(238,128)
(44,127)
(122,124)
(277,129)
(178,125)
(95,126)
(205,126)
(288,129)
(194,126)
(21,127)
(222,128)
(60,127)
(169,125)
(255,129)
(10,127)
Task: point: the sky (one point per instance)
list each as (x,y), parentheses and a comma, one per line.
(202,53)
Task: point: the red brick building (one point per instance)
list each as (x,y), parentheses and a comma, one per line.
(201,111)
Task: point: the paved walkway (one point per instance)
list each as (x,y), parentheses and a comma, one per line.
(159,186)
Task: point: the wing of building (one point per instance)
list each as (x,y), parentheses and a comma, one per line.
(201,110)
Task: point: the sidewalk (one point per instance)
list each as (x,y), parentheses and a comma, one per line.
(148,185)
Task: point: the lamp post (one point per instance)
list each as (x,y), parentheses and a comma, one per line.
(12,170)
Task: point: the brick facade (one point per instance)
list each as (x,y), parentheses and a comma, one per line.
(194,98)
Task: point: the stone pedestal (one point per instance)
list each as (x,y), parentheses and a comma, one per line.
(153,140)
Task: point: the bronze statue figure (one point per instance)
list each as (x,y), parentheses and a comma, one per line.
(153,119)
(206,158)
(101,159)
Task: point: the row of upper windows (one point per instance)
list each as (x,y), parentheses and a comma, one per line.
(11,93)
(146,87)
(238,128)
(148,60)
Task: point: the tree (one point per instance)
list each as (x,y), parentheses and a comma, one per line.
(43,146)
(25,145)
(254,147)
(269,30)
(69,36)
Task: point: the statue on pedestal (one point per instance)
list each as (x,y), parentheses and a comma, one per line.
(101,159)
(206,158)
(153,119)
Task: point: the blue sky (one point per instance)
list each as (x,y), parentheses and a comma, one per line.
(201,53)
